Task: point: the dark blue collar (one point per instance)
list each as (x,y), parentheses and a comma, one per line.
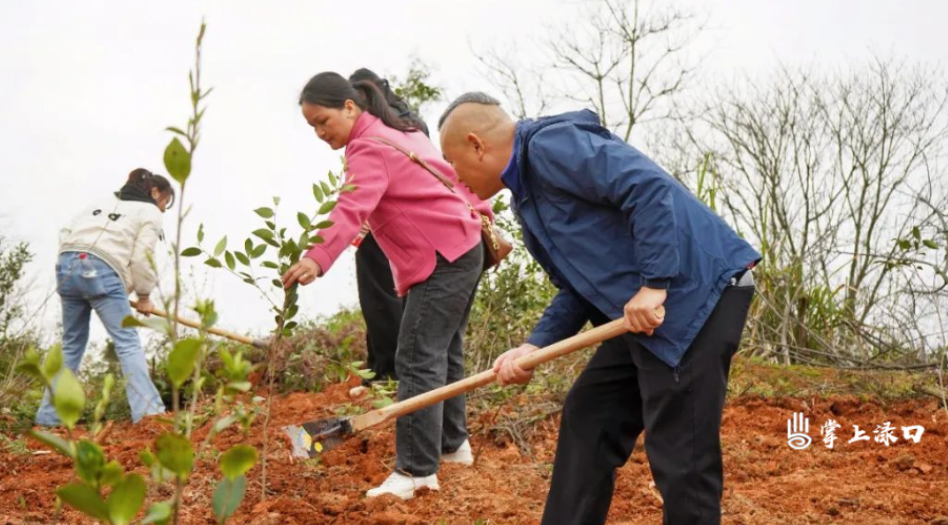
(511,174)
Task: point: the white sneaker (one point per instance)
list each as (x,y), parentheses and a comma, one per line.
(404,486)
(462,455)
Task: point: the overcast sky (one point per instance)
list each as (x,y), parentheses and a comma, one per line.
(88,87)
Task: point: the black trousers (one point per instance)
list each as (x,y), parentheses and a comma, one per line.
(624,390)
(381,307)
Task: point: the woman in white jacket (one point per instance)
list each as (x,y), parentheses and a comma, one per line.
(105,253)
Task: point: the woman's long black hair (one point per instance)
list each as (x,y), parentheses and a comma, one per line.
(398,104)
(139,185)
(332,90)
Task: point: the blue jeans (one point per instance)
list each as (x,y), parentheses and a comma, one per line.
(90,284)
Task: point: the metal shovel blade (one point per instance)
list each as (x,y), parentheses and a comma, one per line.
(310,439)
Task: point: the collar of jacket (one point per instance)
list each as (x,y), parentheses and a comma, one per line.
(362,123)
(511,174)
(527,128)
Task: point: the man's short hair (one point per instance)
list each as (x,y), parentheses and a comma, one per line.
(471,97)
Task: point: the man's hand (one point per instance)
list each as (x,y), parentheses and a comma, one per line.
(304,272)
(144,306)
(506,368)
(642,312)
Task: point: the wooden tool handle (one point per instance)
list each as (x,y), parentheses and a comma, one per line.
(259,343)
(566,346)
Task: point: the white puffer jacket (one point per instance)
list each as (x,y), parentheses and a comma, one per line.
(121,233)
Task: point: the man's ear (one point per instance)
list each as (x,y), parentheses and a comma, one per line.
(479,147)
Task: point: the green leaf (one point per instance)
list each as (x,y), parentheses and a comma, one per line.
(69,398)
(53,441)
(111,473)
(270,264)
(259,251)
(181,360)
(244,260)
(917,233)
(213,263)
(264,234)
(267,236)
(223,423)
(155,323)
(270,224)
(229,259)
(177,161)
(228,496)
(107,384)
(89,461)
(221,246)
(176,130)
(316,239)
(904,244)
(276,201)
(226,358)
(332,179)
(175,454)
(30,364)
(930,243)
(277,283)
(318,193)
(327,207)
(191,252)
(326,189)
(148,459)
(126,499)
(323,225)
(238,460)
(201,233)
(159,514)
(85,499)
(239,386)
(349,188)
(248,246)
(53,363)
(266,213)
(303,219)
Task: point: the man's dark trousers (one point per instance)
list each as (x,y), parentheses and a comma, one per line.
(624,390)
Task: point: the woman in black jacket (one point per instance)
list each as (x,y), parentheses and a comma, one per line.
(381,307)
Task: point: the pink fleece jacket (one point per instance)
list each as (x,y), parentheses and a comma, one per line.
(410,212)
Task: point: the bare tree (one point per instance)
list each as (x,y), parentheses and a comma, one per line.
(836,178)
(521,86)
(630,62)
(627,62)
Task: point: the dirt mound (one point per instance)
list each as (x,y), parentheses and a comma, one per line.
(766,481)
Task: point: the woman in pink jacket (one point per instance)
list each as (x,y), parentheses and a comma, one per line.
(432,239)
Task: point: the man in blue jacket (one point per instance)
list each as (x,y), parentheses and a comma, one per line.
(619,237)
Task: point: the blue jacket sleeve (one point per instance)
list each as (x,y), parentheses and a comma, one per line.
(589,163)
(565,316)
